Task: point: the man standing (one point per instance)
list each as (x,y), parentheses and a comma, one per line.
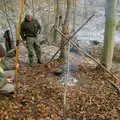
(29,30)
(8,42)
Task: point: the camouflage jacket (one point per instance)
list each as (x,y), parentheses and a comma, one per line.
(29,29)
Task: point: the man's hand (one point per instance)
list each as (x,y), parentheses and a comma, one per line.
(10,80)
(39,31)
(24,42)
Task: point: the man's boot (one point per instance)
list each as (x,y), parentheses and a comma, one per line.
(39,61)
(31,62)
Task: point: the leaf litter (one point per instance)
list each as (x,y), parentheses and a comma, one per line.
(40,96)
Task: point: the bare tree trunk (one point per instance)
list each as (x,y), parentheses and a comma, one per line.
(56,19)
(110,27)
(65,29)
(85,9)
(64,54)
(74,15)
(33,10)
(20,15)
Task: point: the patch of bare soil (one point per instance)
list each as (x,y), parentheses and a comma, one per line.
(40,97)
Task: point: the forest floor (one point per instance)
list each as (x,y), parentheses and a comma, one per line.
(40,96)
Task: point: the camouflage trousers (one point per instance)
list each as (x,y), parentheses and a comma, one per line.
(33,45)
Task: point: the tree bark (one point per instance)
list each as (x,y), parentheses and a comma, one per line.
(65,29)
(33,10)
(74,15)
(20,15)
(49,11)
(109,35)
(56,19)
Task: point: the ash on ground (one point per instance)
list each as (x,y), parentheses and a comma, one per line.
(71,81)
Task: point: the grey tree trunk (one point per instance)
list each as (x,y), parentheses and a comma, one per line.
(109,36)
(33,10)
(56,19)
(74,15)
(65,29)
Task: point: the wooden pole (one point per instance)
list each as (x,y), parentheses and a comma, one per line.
(20,15)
